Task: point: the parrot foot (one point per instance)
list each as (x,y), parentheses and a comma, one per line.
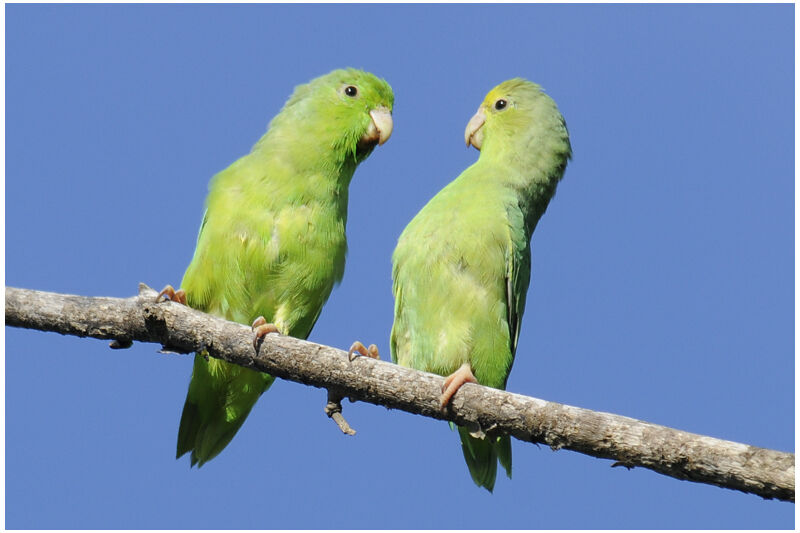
(454,381)
(262,328)
(334,411)
(172,295)
(358,348)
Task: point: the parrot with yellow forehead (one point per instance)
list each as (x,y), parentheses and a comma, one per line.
(272,240)
(462,266)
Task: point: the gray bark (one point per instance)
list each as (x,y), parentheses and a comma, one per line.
(630,442)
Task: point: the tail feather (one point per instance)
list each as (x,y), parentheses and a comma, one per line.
(216,406)
(482,455)
(503,449)
(189,426)
(212,437)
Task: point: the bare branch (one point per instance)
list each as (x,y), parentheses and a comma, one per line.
(334,411)
(630,442)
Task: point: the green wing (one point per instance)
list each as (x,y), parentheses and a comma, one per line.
(518,273)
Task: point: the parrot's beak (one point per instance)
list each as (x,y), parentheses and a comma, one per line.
(474,134)
(380,129)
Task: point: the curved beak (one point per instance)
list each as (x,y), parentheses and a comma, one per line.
(380,128)
(474,134)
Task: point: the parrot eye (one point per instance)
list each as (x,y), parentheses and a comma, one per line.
(500,104)
(351,91)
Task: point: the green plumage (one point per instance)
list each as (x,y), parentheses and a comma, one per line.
(272,241)
(462,266)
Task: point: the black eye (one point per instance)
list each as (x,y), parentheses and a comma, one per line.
(500,104)
(351,91)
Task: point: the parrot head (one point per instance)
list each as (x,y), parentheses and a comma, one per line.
(515,114)
(348,110)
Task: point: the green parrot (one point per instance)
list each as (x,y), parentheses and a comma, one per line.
(272,241)
(462,266)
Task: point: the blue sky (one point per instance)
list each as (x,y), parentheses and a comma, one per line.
(662,285)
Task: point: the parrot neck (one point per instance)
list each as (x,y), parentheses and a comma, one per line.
(307,149)
(314,146)
(531,167)
(319,175)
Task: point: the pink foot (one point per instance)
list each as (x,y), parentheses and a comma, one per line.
(357,347)
(262,328)
(173,295)
(454,381)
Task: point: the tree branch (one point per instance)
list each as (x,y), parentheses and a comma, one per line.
(630,442)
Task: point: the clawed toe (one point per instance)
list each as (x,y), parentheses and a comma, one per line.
(171,294)
(262,328)
(358,348)
(454,381)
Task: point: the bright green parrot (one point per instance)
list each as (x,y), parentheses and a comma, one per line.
(462,266)
(272,241)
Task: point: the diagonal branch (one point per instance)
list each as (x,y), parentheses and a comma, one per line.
(630,442)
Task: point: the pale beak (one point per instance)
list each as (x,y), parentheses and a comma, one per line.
(380,128)
(474,133)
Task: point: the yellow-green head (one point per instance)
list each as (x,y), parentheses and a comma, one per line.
(517,116)
(349,110)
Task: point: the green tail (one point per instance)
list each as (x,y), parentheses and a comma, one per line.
(482,456)
(216,408)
